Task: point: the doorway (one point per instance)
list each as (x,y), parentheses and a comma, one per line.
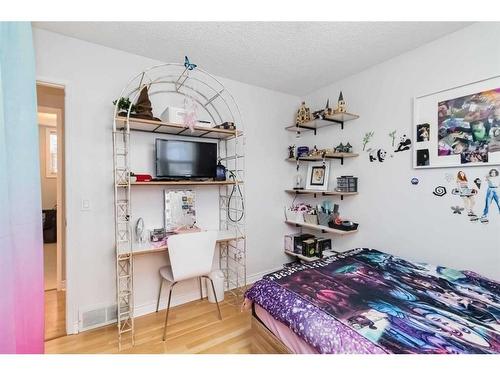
(51,144)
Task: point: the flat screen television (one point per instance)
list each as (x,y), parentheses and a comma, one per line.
(185,159)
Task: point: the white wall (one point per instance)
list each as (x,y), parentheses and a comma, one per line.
(394,215)
(94,76)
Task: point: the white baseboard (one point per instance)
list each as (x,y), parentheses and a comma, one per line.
(177,299)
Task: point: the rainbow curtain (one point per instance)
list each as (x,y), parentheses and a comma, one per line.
(21,250)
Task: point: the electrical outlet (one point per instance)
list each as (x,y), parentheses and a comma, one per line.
(85,205)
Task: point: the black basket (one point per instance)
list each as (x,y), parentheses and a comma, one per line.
(331,224)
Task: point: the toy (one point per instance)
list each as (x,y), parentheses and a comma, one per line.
(347,148)
(377,154)
(291,152)
(303,114)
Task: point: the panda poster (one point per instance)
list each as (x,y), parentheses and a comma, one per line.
(458,127)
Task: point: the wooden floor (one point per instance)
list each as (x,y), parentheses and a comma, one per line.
(193,328)
(55,312)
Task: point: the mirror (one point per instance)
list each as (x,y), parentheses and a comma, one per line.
(179,209)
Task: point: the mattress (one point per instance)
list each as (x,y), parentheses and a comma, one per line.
(367,301)
(291,340)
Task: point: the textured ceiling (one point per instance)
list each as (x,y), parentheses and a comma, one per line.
(292,57)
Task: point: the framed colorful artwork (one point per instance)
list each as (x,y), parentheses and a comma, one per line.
(458,126)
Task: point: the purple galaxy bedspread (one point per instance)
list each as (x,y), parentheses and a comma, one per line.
(366,301)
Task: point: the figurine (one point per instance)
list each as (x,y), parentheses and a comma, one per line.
(303,114)
(291,152)
(347,148)
(341,104)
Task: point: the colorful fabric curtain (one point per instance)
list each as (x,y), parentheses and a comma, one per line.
(21,250)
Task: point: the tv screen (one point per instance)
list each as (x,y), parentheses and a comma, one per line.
(185,159)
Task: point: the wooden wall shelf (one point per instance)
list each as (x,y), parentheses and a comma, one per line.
(321,193)
(310,259)
(177,183)
(159,127)
(321,228)
(337,155)
(314,125)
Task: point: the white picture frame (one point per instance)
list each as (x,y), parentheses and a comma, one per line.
(427,153)
(318,174)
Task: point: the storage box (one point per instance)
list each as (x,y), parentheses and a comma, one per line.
(323,218)
(309,247)
(173,115)
(323,244)
(295,216)
(311,219)
(293,242)
(347,184)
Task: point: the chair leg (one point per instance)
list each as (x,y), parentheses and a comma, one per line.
(159,294)
(215,296)
(168,309)
(201,289)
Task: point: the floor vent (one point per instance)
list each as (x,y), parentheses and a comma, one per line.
(97,317)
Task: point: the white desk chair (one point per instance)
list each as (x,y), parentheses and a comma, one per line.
(191,255)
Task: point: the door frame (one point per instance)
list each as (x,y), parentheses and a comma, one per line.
(71,306)
(60,196)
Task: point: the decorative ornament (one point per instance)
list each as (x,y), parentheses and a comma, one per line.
(190,117)
(188,64)
(303,114)
(414,181)
(341,104)
(457,210)
(439,191)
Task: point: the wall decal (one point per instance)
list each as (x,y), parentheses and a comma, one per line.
(457,209)
(439,191)
(393,137)
(414,181)
(477,182)
(367,138)
(377,154)
(467,194)
(404,144)
(493,182)
(423,131)
(422,157)
(448,177)
(463,125)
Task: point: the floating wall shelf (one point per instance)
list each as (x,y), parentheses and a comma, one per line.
(175,183)
(310,259)
(321,228)
(151,126)
(336,155)
(321,193)
(337,118)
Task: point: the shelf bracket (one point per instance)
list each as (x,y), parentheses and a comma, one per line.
(341,197)
(342,161)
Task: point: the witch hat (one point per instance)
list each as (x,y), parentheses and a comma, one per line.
(143,107)
(341,97)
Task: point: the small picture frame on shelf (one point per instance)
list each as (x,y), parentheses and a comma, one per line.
(317,176)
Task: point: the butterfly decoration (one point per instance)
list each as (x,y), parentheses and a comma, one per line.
(457,210)
(188,64)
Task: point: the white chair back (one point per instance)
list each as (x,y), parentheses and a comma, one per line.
(191,254)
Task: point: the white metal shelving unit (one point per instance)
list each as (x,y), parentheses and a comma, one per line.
(212,97)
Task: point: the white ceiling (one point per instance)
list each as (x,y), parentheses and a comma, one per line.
(292,57)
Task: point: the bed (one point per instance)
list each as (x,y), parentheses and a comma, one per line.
(367,301)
